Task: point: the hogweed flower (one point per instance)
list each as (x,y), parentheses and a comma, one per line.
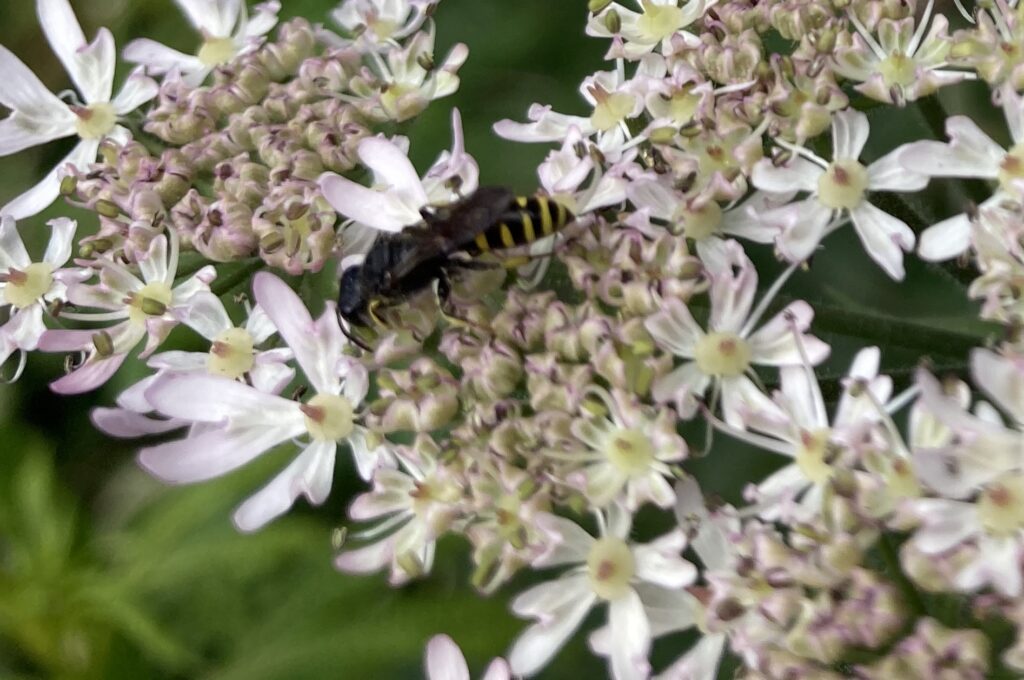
(37,116)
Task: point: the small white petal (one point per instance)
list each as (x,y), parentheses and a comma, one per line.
(889,174)
(210,454)
(885,237)
(213,399)
(850,131)
(538,643)
(91,66)
(136,91)
(375,209)
(23,92)
(444,660)
(39,197)
(632,635)
(946,239)
(159,58)
(799,174)
(58,250)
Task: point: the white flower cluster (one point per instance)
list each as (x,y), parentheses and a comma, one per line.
(543,425)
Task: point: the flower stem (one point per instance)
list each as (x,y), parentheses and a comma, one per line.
(243,272)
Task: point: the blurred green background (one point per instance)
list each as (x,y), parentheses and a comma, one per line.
(105,573)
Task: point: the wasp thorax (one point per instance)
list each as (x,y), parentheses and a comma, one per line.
(216,51)
(152,300)
(25,286)
(231,353)
(610,567)
(329,417)
(722,354)
(630,451)
(95,121)
(843,184)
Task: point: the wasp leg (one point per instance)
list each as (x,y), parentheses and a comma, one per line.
(444,291)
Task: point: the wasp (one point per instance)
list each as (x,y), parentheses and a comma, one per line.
(491,219)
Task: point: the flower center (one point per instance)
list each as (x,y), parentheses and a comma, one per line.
(434,490)
(610,566)
(1011,169)
(658,21)
(231,353)
(682,106)
(630,451)
(700,223)
(843,184)
(898,69)
(1001,505)
(901,480)
(401,101)
(26,287)
(722,354)
(383,28)
(329,417)
(611,110)
(95,121)
(152,300)
(216,51)
(812,454)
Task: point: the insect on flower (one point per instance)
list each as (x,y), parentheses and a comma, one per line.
(491,219)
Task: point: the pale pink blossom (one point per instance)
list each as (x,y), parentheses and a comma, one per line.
(723,355)
(227,31)
(380,22)
(837,193)
(245,422)
(38,116)
(444,661)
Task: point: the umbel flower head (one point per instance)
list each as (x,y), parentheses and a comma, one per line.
(38,116)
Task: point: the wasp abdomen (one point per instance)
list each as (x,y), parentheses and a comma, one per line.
(532,218)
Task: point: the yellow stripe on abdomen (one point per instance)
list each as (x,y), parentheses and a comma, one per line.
(528,232)
(505,233)
(544,208)
(481,242)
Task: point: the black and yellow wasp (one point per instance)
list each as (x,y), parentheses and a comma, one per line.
(491,219)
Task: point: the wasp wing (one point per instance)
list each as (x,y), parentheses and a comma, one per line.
(457,225)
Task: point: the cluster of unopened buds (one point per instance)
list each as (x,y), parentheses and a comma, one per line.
(536,420)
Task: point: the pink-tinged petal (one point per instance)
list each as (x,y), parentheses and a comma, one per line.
(357,383)
(58,250)
(159,58)
(667,610)
(25,94)
(392,167)
(154,265)
(659,562)
(1000,378)
(263,20)
(774,344)
(850,131)
(367,460)
(177,360)
(211,454)
(799,174)
(271,376)
(214,17)
(205,314)
(885,238)
(498,670)
(25,327)
(632,634)
(366,206)
(570,544)
(998,564)
(949,523)
(700,663)
(19,132)
(540,601)
(316,346)
(675,329)
(684,385)
(91,375)
(801,395)
(91,66)
(970,153)
(889,174)
(739,398)
(802,225)
(310,475)
(136,91)
(946,239)
(39,197)
(119,422)
(65,341)
(12,248)
(538,643)
(368,559)
(444,660)
(732,291)
(546,126)
(212,399)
